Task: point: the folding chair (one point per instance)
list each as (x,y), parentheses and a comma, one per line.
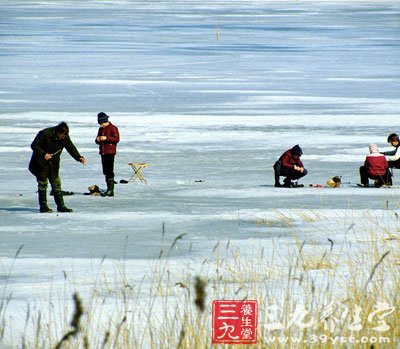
(138,171)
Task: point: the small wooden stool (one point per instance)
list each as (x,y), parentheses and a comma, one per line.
(138,171)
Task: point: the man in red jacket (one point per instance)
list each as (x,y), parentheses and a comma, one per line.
(375,167)
(107,139)
(290,166)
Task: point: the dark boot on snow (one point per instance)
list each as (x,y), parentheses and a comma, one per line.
(110,187)
(43,202)
(59,200)
(287,183)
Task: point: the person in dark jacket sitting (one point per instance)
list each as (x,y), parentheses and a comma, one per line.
(107,139)
(375,167)
(393,156)
(45,163)
(290,166)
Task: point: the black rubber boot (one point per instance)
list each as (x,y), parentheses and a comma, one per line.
(59,200)
(43,202)
(110,187)
(287,183)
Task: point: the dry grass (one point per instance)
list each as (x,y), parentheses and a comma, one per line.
(335,287)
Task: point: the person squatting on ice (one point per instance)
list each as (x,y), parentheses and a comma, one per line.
(45,163)
(107,139)
(393,156)
(290,166)
(375,167)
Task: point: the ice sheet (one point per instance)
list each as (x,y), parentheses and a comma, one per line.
(209,93)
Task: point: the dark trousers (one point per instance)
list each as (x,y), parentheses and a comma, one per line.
(289,173)
(48,174)
(394,164)
(386,179)
(54,182)
(292,174)
(107,162)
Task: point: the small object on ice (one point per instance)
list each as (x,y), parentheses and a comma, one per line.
(123,181)
(296,185)
(63,192)
(334,182)
(94,190)
(198,181)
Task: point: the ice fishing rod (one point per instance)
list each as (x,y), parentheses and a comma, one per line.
(56,152)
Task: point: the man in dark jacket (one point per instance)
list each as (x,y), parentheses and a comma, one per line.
(45,163)
(290,166)
(393,156)
(107,139)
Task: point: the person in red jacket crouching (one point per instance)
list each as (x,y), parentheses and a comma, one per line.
(375,167)
(290,166)
(107,139)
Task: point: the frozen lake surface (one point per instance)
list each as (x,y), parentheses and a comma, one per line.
(209,93)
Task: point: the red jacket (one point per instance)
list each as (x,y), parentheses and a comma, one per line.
(288,161)
(109,146)
(376,164)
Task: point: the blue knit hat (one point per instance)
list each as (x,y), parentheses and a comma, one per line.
(297,150)
(102,117)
